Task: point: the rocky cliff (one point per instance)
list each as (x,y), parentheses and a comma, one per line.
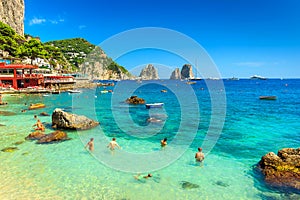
(175,74)
(98,66)
(12,14)
(187,71)
(149,73)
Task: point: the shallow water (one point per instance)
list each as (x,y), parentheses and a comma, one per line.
(66,170)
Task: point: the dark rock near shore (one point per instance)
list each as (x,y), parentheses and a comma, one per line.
(56,136)
(65,120)
(44,114)
(9,149)
(135,100)
(282,170)
(188,185)
(36,135)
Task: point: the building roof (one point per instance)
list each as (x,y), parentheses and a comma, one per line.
(17,66)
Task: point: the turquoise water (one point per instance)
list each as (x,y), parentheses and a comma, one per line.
(252,128)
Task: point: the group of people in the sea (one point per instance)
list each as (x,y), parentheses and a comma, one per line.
(199,156)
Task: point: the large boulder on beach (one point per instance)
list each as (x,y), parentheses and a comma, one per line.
(135,100)
(56,136)
(36,135)
(65,120)
(282,170)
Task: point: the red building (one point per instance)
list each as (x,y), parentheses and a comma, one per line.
(19,76)
(22,76)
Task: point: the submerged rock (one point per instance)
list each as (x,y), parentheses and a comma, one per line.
(44,114)
(65,120)
(221,183)
(9,149)
(188,185)
(135,100)
(7,113)
(282,170)
(36,135)
(19,142)
(56,136)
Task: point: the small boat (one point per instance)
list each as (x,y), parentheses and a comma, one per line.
(267,97)
(154,105)
(256,77)
(36,106)
(104,91)
(233,79)
(56,92)
(164,91)
(46,95)
(74,91)
(190,82)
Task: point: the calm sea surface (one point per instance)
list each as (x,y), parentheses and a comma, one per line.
(192,116)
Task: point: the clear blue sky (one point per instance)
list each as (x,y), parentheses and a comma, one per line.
(243,37)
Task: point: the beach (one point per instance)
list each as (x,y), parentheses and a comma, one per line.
(66,170)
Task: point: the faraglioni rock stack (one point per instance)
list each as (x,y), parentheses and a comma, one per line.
(12,14)
(65,120)
(282,170)
(149,73)
(187,71)
(175,74)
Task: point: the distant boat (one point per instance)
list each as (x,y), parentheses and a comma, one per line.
(234,79)
(154,105)
(104,91)
(56,92)
(256,77)
(163,91)
(190,82)
(267,97)
(195,79)
(74,91)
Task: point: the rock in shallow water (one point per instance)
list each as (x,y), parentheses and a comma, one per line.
(36,135)
(9,149)
(61,119)
(188,185)
(56,136)
(282,170)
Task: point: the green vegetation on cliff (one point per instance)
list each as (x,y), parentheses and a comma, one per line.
(66,55)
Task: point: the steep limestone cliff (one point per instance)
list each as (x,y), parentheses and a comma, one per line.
(149,73)
(175,74)
(187,71)
(12,14)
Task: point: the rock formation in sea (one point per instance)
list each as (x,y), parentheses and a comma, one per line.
(149,73)
(176,74)
(282,170)
(12,14)
(36,135)
(65,120)
(187,71)
(135,100)
(56,136)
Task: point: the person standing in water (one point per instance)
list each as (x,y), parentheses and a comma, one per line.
(113,144)
(90,144)
(199,156)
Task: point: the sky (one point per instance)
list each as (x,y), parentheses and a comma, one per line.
(242,37)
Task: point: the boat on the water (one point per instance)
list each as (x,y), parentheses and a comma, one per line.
(267,97)
(56,92)
(104,91)
(233,79)
(154,105)
(74,91)
(256,77)
(36,106)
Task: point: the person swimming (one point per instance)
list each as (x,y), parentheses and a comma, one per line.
(163,142)
(90,144)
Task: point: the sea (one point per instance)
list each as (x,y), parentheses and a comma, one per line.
(225,118)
